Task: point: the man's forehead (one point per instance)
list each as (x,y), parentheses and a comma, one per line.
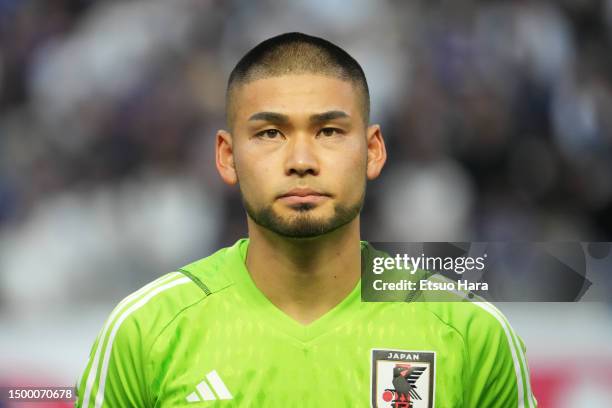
(297,94)
(295,78)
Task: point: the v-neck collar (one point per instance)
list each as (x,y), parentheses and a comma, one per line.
(279,319)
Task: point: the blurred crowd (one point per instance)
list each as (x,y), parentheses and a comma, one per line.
(497,117)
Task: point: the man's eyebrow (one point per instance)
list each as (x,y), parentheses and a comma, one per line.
(327,116)
(273,117)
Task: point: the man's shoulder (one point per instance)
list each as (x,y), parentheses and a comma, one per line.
(464,311)
(214,273)
(154,305)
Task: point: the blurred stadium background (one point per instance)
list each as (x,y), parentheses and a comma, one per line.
(497,116)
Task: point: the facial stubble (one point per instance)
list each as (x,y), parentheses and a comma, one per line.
(302,223)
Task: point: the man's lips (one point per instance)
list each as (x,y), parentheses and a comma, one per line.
(303,196)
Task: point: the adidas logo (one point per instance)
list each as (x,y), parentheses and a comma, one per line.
(204,390)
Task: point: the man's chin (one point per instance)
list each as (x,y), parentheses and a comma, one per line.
(303,207)
(304,222)
(301,227)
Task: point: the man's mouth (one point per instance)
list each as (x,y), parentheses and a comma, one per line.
(303,196)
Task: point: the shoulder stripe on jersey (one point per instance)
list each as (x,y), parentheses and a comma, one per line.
(140,303)
(517,344)
(93,370)
(518,357)
(520,380)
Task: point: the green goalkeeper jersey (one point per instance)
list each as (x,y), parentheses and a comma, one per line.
(206,336)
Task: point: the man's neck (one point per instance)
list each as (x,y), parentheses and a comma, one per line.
(305,278)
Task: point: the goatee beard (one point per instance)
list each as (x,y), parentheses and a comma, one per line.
(302,224)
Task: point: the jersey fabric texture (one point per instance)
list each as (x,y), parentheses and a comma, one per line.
(206,336)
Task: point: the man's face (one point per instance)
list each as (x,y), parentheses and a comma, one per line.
(300,153)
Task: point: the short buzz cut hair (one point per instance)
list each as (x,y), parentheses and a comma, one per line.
(297,53)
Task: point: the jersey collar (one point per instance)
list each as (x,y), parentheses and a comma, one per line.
(259,304)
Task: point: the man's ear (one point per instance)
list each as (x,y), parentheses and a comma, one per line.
(377,153)
(224,155)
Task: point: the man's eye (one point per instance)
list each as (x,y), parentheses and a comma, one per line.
(268,134)
(330,131)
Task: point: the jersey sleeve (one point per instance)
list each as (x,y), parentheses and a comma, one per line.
(114,375)
(497,367)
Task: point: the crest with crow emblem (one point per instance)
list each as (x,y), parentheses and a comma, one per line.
(403,379)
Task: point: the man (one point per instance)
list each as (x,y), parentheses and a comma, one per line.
(276,320)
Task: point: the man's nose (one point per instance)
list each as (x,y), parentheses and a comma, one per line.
(301,156)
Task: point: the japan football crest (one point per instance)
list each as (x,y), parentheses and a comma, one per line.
(403,379)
